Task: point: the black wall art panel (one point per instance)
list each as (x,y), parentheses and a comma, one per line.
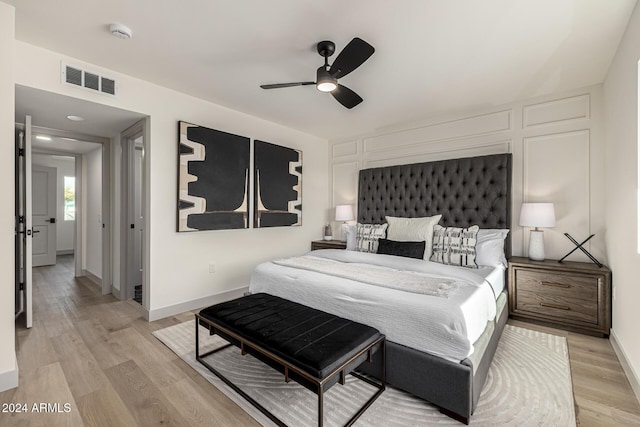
(213,179)
(277,185)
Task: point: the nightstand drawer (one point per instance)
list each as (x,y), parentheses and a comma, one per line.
(559,307)
(558,284)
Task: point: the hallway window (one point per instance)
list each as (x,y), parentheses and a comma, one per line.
(69,198)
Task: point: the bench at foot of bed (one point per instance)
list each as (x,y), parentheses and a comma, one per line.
(314,348)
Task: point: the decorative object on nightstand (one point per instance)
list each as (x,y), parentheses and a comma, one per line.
(328,244)
(581,247)
(572,295)
(537,215)
(328,235)
(344,213)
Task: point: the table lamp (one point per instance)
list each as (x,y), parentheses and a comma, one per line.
(344,213)
(537,215)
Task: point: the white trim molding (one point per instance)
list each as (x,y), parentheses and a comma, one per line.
(632,376)
(9,379)
(172,310)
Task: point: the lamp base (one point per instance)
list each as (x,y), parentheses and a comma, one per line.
(536,245)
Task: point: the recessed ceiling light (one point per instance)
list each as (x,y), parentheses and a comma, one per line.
(76,118)
(121,31)
(43,137)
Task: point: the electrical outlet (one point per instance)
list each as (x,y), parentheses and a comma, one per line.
(212,268)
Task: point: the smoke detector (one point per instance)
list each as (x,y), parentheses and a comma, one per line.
(121,31)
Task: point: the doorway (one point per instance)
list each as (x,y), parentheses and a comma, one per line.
(132,282)
(51,113)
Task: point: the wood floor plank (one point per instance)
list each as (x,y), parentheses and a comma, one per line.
(193,404)
(34,348)
(154,361)
(104,408)
(210,393)
(44,385)
(145,401)
(83,372)
(106,350)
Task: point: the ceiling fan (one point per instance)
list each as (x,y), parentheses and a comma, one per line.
(352,56)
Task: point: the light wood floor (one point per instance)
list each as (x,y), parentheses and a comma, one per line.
(97,354)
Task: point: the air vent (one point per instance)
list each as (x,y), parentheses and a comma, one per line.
(81,78)
(108,86)
(74,76)
(91,81)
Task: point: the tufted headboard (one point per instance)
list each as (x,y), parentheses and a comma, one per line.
(467,191)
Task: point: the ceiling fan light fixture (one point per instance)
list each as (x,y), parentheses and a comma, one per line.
(324,81)
(326,86)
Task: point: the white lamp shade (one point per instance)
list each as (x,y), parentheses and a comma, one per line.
(537,215)
(344,213)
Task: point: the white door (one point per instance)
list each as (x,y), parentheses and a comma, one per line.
(24,229)
(43,189)
(133,241)
(138,214)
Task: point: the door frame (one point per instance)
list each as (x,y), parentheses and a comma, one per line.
(107,268)
(127,207)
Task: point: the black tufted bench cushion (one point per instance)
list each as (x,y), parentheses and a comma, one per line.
(315,348)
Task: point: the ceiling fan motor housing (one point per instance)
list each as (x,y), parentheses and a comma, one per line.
(324,81)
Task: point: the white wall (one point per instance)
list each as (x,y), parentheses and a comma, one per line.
(8,367)
(621,112)
(92,218)
(557,145)
(65,166)
(179,262)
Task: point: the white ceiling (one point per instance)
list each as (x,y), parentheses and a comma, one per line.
(432,56)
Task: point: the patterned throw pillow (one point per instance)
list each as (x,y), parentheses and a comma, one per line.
(367,236)
(413,230)
(455,246)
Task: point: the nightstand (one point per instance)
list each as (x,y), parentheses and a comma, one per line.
(569,295)
(328,244)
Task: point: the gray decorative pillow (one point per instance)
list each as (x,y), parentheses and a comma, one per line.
(413,230)
(455,246)
(367,236)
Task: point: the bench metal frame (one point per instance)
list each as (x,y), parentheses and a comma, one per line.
(320,383)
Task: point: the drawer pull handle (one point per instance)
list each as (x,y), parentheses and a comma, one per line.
(557,285)
(559,307)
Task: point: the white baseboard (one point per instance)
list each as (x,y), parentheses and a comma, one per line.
(92,276)
(632,376)
(160,313)
(116,292)
(65,252)
(9,379)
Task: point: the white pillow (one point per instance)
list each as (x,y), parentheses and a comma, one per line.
(455,246)
(367,236)
(490,247)
(349,232)
(413,230)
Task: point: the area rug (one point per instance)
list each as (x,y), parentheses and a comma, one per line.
(529,384)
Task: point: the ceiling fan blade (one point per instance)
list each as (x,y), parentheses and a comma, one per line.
(346,96)
(352,56)
(279,85)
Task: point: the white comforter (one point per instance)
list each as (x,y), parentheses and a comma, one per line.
(444,325)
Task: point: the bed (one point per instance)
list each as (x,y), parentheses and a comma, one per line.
(466,192)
